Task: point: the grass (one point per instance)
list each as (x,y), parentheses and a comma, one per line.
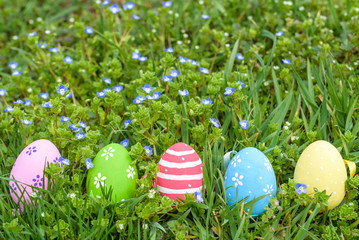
(286,106)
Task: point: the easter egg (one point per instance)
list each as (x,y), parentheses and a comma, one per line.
(180,172)
(113,170)
(28,169)
(250,174)
(321,166)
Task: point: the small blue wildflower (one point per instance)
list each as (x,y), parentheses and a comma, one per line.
(32,34)
(68,95)
(44,95)
(194,62)
(8,109)
(89,163)
(134,16)
(183,93)
(19,101)
(203,70)
(199,196)
(88,30)
(68,59)
(2,92)
(183,59)
(43,45)
(143,59)
(128,5)
(106,2)
(170,50)
(167,78)
(82,124)
(26,122)
(207,101)
(167,4)
(125,143)
(147,88)
(239,56)
(73,127)
(54,49)
(77,130)
(244,124)
(242,85)
(229,91)
(106,90)
(13,65)
(64,161)
(62,90)
(65,119)
(28,103)
(101,94)
(279,34)
(138,100)
(47,105)
(136,55)
(148,150)
(80,135)
(127,123)
(175,73)
(114,8)
(286,61)
(301,188)
(107,80)
(118,88)
(205,16)
(156,95)
(214,121)
(16,73)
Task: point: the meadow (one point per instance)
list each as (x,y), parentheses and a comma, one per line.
(216,75)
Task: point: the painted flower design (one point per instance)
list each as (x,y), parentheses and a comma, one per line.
(31,150)
(37,181)
(108,153)
(267,164)
(99,180)
(13,187)
(131,172)
(268,189)
(56,160)
(237,179)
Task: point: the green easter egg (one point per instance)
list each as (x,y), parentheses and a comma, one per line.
(112,170)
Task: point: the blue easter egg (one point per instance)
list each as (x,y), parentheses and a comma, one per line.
(250,174)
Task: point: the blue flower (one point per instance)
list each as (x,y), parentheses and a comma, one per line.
(65,119)
(183,59)
(148,150)
(62,90)
(138,100)
(156,95)
(107,80)
(88,30)
(214,121)
(239,56)
(114,8)
(128,5)
(43,45)
(64,161)
(143,59)
(8,109)
(147,88)
(205,16)
(207,101)
(279,34)
(16,73)
(54,49)
(229,91)
(167,78)
(175,73)
(77,130)
(106,2)
(167,4)
(47,105)
(73,127)
(68,95)
(106,90)
(244,124)
(80,135)
(127,123)
(89,163)
(118,88)
(199,196)
(301,188)
(68,59)
(194,62)
(2,92)
(82,124)
(286,61)
(203,70)
(44,95)
(28,103)
(136,55)
(183,93)
(134,16)
(32,34)
(125,143)
(242,85)
(19,101)
(26,122)
(101,94)
(13,65)
(170,50)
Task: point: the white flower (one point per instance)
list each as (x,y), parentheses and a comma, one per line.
(152,193)
(42,214)
(285,127)
(108,152)
(145,226)
(131,172)
(33,194)
(120,226)
(99,180)
(236,180)
(71,195)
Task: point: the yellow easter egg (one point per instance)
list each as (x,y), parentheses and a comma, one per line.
(322,167)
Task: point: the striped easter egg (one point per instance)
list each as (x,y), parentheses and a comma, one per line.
(180,172)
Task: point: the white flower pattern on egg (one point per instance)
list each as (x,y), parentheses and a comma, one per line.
(108,152)
(267,164)
(99,180)
(236,179)
(269,189)
(131,172)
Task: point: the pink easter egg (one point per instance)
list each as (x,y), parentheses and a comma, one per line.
(28,169)
(180,172)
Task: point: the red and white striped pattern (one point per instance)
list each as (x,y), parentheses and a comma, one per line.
(180,172)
